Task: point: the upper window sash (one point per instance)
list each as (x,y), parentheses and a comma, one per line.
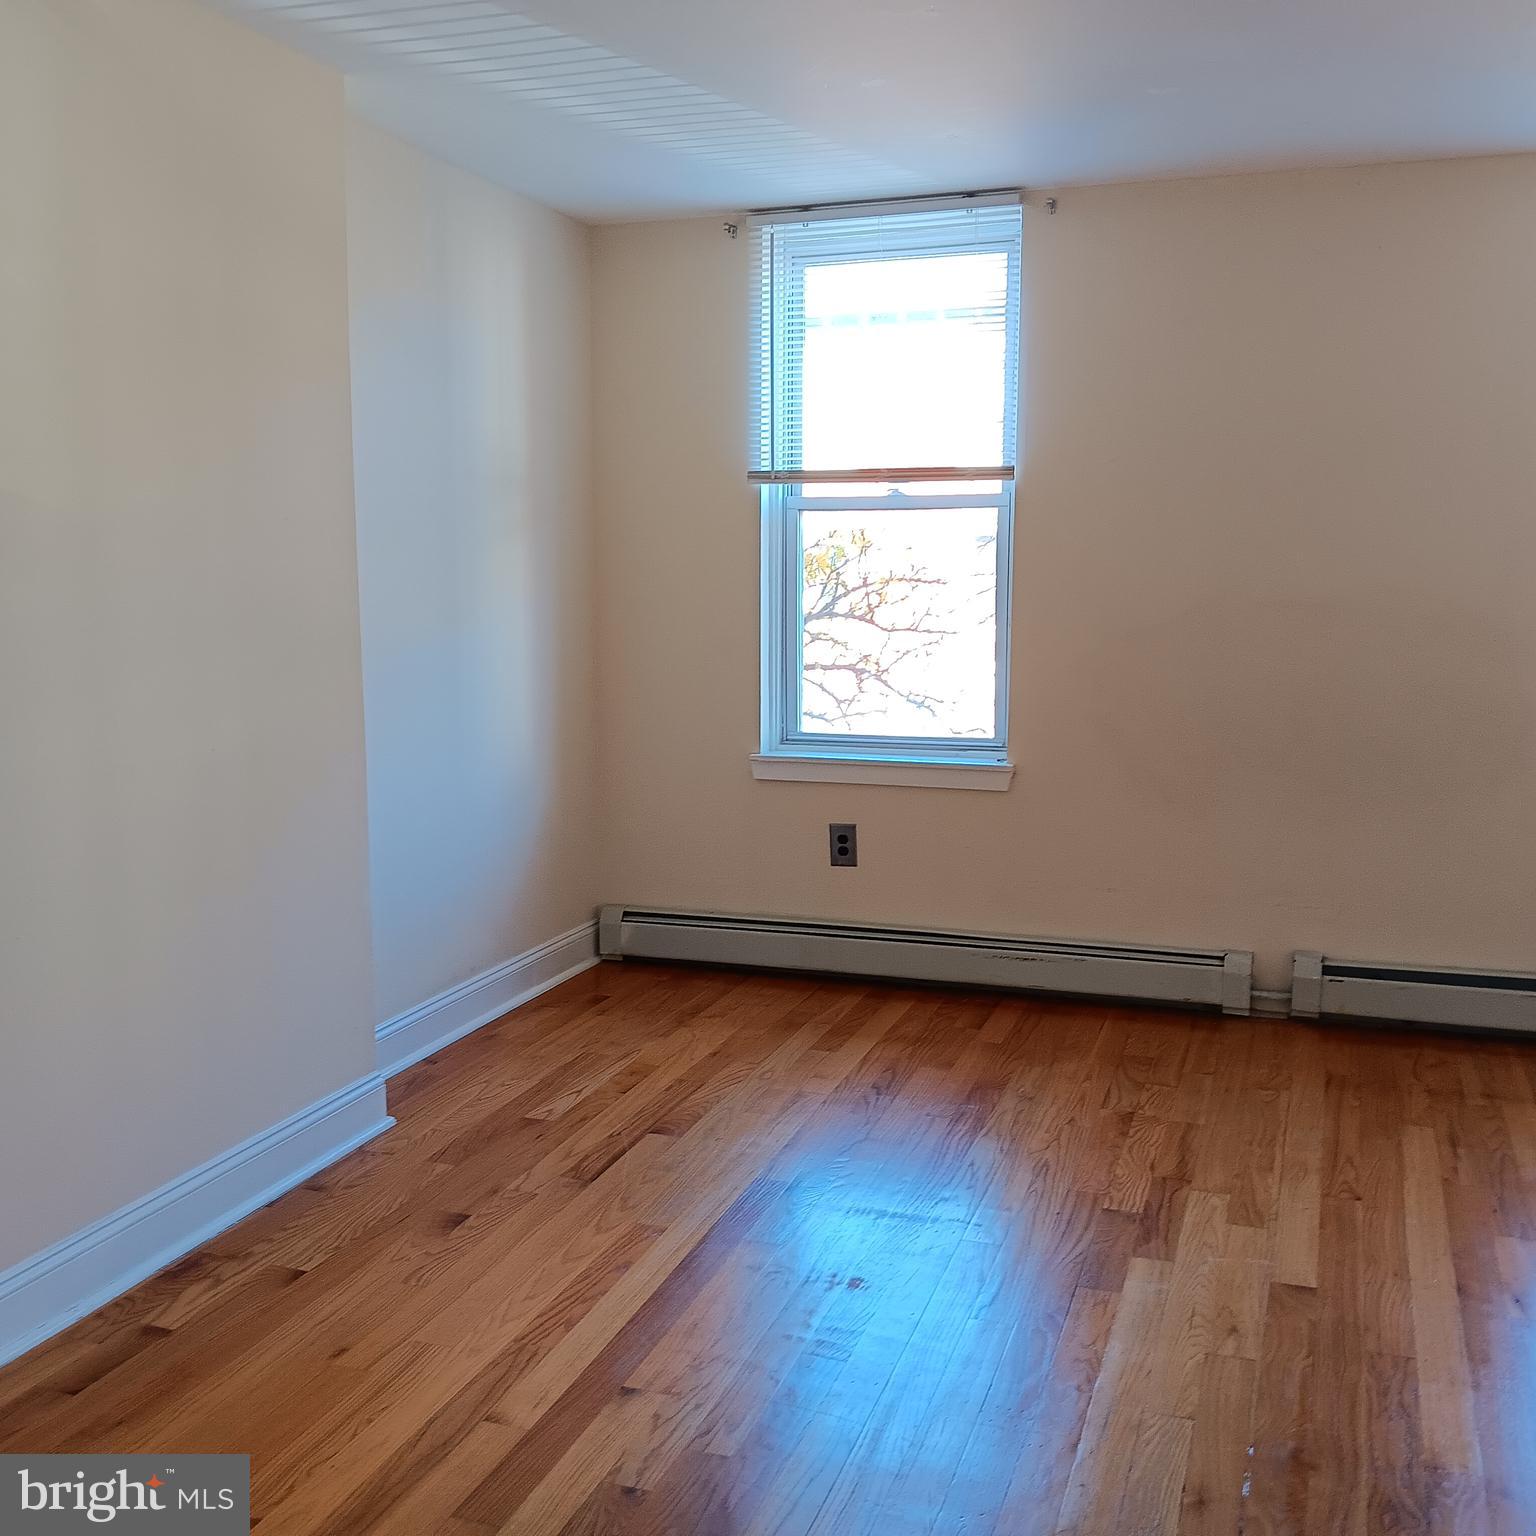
(984,306)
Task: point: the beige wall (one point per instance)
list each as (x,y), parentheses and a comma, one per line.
(183,885)
(470,418)
(1275,647)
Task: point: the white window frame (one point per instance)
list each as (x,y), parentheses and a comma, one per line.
(790,752)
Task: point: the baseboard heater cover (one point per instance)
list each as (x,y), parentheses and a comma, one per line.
(1412,994)
(1204,978)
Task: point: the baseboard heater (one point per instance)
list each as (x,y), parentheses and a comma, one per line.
(1201,978)
(1412,994)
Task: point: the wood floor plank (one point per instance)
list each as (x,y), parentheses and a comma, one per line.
(1448,1434)
(1298,1214)
(679,1252)
(1286,1395)
(1032,1426)
(1132,1361)
(1159,1461)
(1220,1449)
(1335,1434)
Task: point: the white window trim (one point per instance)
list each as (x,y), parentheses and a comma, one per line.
(789,753)
(901,772)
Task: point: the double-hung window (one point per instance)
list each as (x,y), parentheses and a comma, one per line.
(886,390)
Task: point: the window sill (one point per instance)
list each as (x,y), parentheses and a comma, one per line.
(914,772)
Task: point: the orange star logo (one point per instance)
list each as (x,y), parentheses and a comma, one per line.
(154,1482)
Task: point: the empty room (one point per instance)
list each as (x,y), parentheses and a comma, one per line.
(768,770)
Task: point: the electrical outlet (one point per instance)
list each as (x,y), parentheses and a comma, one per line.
(843,837)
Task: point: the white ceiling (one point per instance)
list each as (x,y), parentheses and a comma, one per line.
(613,109)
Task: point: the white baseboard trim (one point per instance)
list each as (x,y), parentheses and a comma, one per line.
(428,1027)
(43,1295)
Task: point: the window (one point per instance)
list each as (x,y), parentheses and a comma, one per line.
(885,406)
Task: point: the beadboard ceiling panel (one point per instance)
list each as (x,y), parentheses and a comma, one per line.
(633,108)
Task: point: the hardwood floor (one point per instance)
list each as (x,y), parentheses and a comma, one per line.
(687,1252)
